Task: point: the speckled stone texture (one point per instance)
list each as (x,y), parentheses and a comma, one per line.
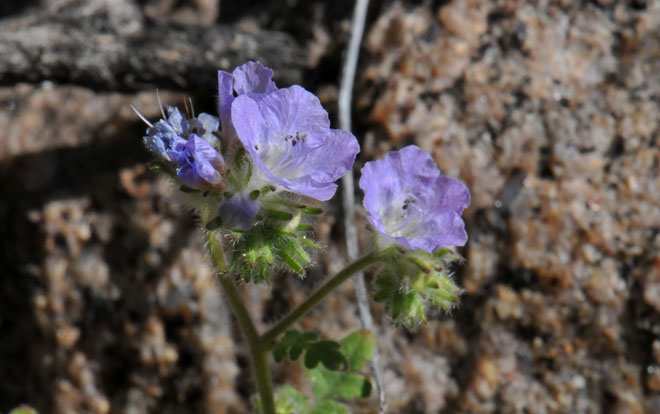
(547,110)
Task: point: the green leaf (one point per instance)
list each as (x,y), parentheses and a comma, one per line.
(289,400)
(357,348)
(326,352)
(332,384)
(293,344)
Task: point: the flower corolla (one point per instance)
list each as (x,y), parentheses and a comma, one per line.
(410,202)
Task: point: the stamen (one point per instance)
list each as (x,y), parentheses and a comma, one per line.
(192,109)
(185,105)
(160,104)
(141,116)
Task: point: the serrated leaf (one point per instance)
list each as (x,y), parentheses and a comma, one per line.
(295,351)
(357,348)
(293,344)
(326,352)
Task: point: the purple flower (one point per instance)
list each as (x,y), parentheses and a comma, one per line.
(204,126)
(409,201)
(200,165)
(239,212)
(287,133)
(163,134)
(251,77)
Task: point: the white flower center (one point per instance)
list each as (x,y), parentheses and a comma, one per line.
(287,155)
(404,218)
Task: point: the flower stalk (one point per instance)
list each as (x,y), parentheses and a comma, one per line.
(269,337)
(258,352)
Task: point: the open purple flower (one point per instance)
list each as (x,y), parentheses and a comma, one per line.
(251,77)
(410,202)
(200,165)
(287,134)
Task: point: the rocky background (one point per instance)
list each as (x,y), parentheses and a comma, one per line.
(546,109)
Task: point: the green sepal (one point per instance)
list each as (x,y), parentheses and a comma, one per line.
(267,189)
(312,210)
(292,264)
(292,224)
(239,177)
(420,263)
(307,242)
(283,203)
(253,257)
(411,282)
(291,247)
(241,161)
(277,214)
(304,227)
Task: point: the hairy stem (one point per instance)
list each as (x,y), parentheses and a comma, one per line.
(258,352)
(269,337)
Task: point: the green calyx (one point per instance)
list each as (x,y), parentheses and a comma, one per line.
(412,282)
(279,240)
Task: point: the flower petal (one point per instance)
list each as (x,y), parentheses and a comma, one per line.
(253,77)
(409,201)
(288,137)
(452,194)
(225,99)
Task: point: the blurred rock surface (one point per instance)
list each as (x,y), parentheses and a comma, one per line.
(547,110)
